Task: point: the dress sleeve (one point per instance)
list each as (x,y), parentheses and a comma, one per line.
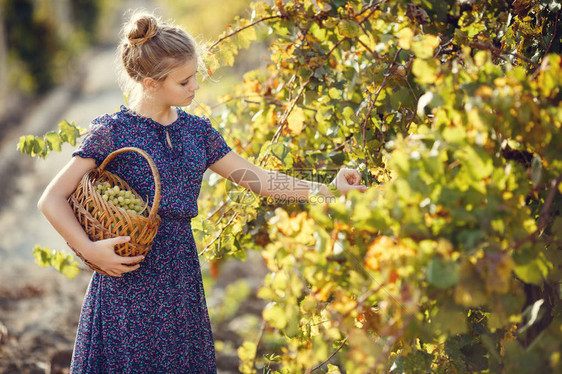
(98,143)
(215,144)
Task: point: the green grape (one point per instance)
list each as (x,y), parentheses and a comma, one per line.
(121,198)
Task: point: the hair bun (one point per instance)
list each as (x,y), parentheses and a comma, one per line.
(142,29)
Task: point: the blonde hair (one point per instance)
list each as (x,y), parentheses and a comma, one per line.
(151,48)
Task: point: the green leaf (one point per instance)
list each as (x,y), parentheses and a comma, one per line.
(53,141)
(25,144)
(318,32)
(68,132)
(534,271)
(245,38)
(42,256)
(60,260)
(272,357)
(69,268)
(450,320)
(518,359)
(226,54)
(477,162)
(536,170)
(65,264)
(333,369)
(283,153)
(39,147)
(334,93)
(349,29)
(418,361)
(442,274)
(474,29)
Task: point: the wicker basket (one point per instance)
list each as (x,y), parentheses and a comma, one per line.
(104,220)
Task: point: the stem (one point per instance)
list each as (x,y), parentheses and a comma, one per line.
(371,7)
(262,329)
(554,34)
(543,215)
(241,29)
(329,358)
(285,116)
(220,233)
(497,50)
(375,55)
(372,104)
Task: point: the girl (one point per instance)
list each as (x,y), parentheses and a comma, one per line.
(152,317)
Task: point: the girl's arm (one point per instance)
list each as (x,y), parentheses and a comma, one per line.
(55,207)
(278,185)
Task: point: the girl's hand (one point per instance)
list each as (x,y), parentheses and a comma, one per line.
(347,180)
(102,254)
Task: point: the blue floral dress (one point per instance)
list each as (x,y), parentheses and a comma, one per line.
(154,319)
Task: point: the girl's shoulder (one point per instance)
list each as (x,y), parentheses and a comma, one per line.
(111,121)
(194,122)
(105,120)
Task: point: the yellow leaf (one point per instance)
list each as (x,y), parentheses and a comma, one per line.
(425,70)
(424,48)
(275,316)
(405,37)
(296,120)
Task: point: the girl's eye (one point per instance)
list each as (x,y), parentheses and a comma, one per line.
(189,79)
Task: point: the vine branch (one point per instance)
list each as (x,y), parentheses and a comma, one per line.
(285,117)
(554,33)
(372,103)
(220,40)
(328,359)
(258,341)
(497,50)
(543,215)
(220,233)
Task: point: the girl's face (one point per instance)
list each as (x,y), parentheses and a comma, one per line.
(178,89)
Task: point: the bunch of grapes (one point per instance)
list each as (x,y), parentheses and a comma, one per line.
(121,198)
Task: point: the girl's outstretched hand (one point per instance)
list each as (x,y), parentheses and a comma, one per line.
(102,254)
(347,180)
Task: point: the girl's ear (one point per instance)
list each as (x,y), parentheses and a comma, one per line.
(150,84)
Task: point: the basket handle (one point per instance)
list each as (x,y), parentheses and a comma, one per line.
(153,168)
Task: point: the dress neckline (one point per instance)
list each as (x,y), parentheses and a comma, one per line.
(152,122)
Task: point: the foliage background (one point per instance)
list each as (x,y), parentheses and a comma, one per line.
(451,110)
